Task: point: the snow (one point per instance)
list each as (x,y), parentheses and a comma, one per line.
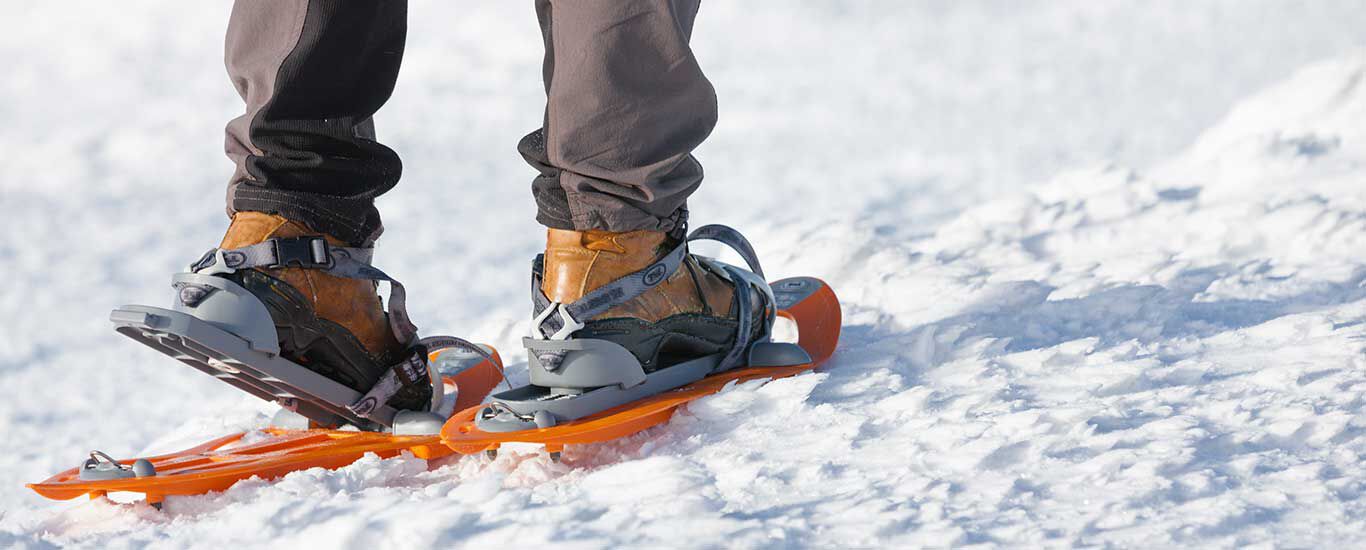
(1100,263)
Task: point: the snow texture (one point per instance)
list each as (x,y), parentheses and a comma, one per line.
(1102,285)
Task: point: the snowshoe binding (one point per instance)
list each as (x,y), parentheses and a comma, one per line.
(292,317)
(605,358)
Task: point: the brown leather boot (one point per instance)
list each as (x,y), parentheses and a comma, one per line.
(688,315)
(332,325)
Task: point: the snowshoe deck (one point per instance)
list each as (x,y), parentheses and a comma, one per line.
(218,464)
(816,313)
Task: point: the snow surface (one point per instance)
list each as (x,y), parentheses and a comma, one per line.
(1088,300)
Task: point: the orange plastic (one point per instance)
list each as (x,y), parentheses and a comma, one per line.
(475,383)
(217,465)
(818,323)
(206,468)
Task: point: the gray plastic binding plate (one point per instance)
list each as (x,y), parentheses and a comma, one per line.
(240,362)
(226,357)
(587,362)
(530,400)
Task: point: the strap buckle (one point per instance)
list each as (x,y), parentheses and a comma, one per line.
(306,252)
(219,262)
(568,324)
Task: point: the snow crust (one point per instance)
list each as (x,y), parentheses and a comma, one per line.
(1071,318)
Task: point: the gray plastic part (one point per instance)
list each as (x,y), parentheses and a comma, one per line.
(453,361)
(525,402)
(567,392)
(777,354)
(242,362)
(586,364)
(417,423)
(226,305)
(103,471)
(791,291)
(501,422)
(785,294)
(144,468)
(101,467)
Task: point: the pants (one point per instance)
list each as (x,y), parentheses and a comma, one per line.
(626,105)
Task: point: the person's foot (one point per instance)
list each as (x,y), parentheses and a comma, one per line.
(331,325)
(689,315)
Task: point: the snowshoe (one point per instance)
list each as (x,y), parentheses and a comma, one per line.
(292,318)
(586,386)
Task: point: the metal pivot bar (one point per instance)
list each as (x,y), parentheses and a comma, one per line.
(227,333)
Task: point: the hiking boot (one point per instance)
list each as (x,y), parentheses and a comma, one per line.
(334,326)
(688,315)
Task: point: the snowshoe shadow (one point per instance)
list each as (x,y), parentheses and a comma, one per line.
(881,357)
(1024,319)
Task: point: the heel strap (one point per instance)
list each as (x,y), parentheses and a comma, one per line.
(413,368)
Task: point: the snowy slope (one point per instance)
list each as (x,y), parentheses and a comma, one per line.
(1072,317)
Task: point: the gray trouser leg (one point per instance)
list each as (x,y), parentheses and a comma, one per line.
(626,105)
(312,73)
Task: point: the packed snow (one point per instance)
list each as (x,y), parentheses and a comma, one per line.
(1101,267)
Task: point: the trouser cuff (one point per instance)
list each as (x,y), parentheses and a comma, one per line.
(558,209)
(354,221)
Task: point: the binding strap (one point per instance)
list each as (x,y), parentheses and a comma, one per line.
(314,253)
(556,321)
(745,334)
(412,369)
(728,236)
(352,263)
